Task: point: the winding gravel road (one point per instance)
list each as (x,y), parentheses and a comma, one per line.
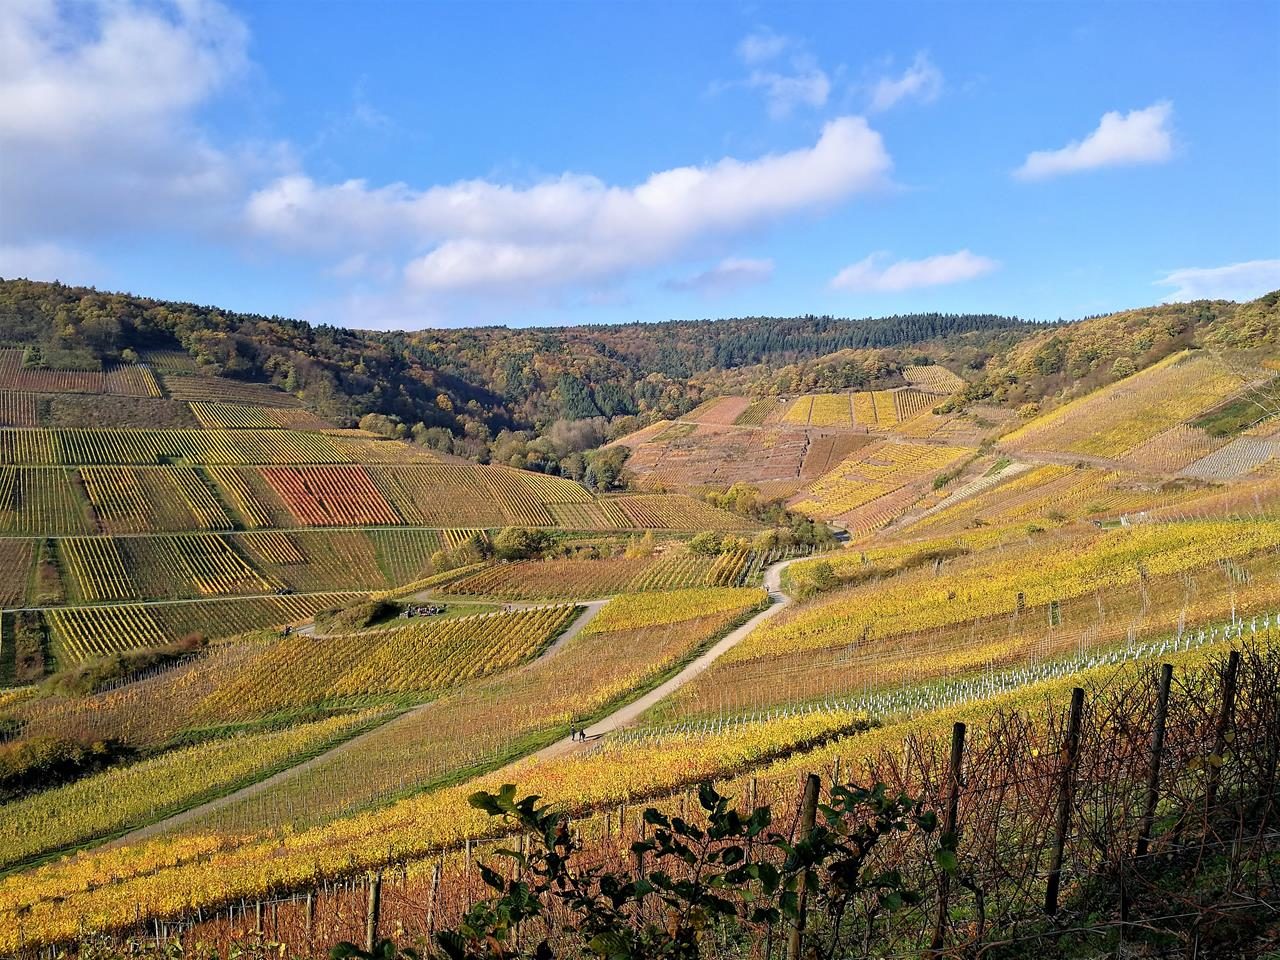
(621,717)
(630,712)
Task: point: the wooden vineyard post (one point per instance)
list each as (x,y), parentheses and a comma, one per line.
(466,874)
(1223,728)
(808,816)
(1063,822)
(310,920)
(435,894)
(257,917)
(1153,771)
(375,908)
(950,826)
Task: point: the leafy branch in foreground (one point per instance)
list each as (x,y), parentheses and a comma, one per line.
(733,876)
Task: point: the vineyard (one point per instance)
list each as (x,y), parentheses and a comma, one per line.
(487,720)
(87,631)
(200,389)
(18,409)
(756,413)
(252,658)
(799,412)
(551,579)
(167,878)
(875,471)
(523,496)
(139,447)
(1004,585)
(1240,457)
(129,796)
(17,557)
(933,379)
(831,410)
(421,658)
(1115,420)
(330,496)
(128,380)
(41,501)
(655,610)
(1050,495)
(677,513)
(232,416)
(137,500)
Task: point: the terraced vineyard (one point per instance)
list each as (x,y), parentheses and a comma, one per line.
(266,655)
(875,471)
(423,657)
(933,379)
(549,579)
(81,632)
(41,501)
(99,805)
(1050,495)
(17,557)
(330,496)
(127,380)
(1115,420)
(194,388)
(481,722)
(18,409)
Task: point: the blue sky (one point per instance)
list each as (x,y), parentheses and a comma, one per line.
(422,164)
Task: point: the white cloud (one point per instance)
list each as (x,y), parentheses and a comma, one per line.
(138,64)
(807,86)
(800,82)
(1137,137)
(1237,281)
(731,273)
(96,100)
(873,275)
(762,46)
(45,261)
(921,81)
(572,228)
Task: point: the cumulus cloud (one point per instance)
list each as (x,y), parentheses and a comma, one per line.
(1137,137)
(921,81)
(1236,281)
(136,64)
(731,273)
(571,228)
(95,106)
(874,274)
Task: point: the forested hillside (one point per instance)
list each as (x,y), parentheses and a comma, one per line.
(472,381)
(494,393)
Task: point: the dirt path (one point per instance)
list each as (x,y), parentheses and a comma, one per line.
(590,610)
(624,715)
(630,712)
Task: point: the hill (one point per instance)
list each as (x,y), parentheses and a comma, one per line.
(252,657)
(472,382)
